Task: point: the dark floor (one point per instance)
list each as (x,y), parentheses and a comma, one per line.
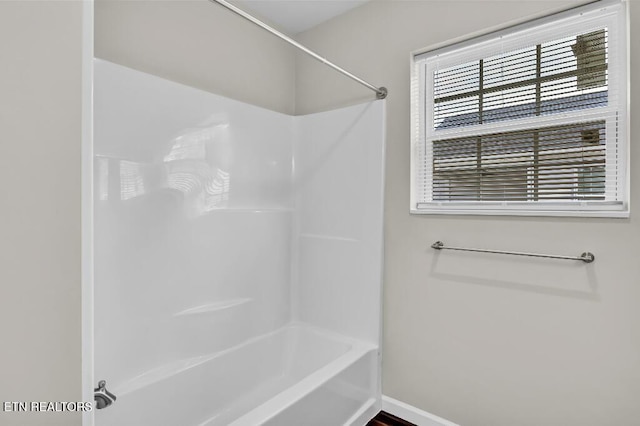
(386,419)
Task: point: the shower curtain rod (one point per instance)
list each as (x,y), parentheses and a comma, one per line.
(381,92)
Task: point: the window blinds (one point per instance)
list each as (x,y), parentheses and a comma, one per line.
(528,119)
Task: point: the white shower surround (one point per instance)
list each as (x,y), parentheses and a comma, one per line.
(238,258)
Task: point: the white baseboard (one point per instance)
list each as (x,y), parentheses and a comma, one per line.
(412,414)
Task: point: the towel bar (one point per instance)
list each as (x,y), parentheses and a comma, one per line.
(586,257)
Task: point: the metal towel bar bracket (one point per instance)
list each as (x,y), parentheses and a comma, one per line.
(586,257)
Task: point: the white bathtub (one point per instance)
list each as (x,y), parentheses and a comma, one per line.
(296,376)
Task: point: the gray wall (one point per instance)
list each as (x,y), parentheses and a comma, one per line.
(199,44)
(40,122)
(480,339)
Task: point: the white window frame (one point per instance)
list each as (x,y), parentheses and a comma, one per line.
(615,15)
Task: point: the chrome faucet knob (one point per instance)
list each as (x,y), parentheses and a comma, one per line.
(102,396)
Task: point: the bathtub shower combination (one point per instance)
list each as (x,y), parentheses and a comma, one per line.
(238,258)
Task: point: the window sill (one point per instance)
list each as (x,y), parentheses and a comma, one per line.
(616,212)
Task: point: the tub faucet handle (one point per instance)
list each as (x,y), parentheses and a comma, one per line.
(102,396)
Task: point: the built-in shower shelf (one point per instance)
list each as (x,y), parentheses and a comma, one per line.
(251,210)
(213,307)
(163,372)
(329,237)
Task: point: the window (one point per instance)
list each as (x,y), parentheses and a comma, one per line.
(530,120)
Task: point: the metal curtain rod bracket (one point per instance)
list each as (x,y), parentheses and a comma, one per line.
(381,92)
(586,257)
